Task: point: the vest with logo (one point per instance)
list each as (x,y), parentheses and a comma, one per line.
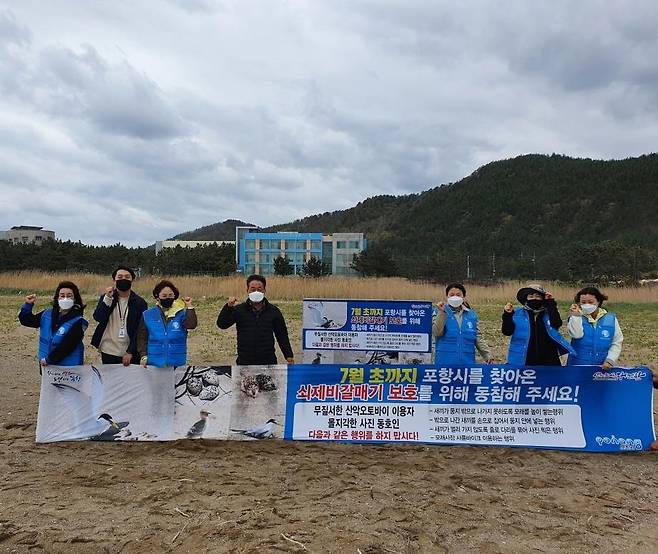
(592,348)
(48,340)
(167,344)
(457,344)
(518,345)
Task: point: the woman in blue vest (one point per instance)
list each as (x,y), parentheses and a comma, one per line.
(162,333)
(595,333)
(61,328)
(533,328)
(456,330)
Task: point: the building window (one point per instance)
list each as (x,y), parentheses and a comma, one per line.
(250,244)
(341,244)
(38,238)
(250,258)
(354,244)
(250,268)
(316,245)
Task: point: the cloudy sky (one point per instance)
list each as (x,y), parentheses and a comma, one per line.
(135,120)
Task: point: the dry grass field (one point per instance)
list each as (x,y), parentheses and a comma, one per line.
(223,496)
(637,308)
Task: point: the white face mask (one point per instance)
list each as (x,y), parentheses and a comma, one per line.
(65,303)
(588,308)
(455,301)
(256,296)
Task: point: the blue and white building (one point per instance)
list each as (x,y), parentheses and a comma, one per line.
(256,250)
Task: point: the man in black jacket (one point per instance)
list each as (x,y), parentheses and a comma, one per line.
(118,313)
(257,322)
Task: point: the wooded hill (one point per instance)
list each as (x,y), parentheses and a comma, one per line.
(224,230)
(534,215)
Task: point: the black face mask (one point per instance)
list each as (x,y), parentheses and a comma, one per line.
(535,304)
(123,285)
(166,303)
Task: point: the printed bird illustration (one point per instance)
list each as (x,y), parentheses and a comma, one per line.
(115,430)
(83,404)
(319,317)
(196,431)
(318,359)
(259,432)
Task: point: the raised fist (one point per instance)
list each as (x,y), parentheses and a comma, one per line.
(231,301)
(509,307)
(30,298)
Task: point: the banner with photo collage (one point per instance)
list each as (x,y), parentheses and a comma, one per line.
(570,408)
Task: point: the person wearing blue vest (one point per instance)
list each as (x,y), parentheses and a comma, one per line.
(533,328)
(595,333)
(456,331)
(162,333)
(61,327)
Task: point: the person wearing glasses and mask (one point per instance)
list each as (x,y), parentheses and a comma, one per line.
(595,333)
(118,313)
(162,332)
(533,328)
(257,323)
(456,331)
(61,327)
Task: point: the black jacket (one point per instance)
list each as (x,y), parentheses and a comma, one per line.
(256,330)
(542,350)
(136,305)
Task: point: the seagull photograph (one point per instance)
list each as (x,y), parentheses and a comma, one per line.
(196,431)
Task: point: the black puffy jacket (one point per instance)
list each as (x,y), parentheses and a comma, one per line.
(256,330)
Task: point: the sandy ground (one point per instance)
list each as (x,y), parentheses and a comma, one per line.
(216,496)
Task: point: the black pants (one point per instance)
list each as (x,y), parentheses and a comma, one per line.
(110,359)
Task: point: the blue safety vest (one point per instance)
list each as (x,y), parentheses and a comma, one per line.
(48,340)
(518,344)
(592,348)
(167,345)
(457,344)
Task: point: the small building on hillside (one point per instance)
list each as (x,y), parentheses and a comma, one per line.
(27,234)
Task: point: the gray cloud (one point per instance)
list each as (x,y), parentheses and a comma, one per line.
(201,111)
